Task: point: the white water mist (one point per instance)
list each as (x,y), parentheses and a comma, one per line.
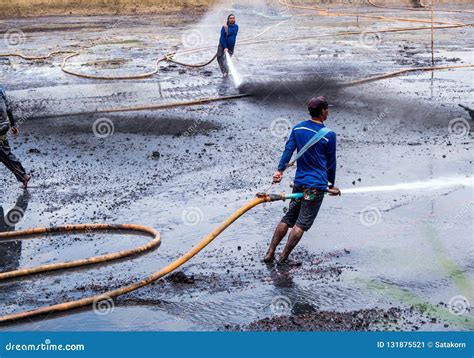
(432,184)
(233,71)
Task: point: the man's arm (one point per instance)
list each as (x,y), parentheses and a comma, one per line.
(223,39)
(10,116)
(290,147)
(285,158)
(331,159)
(4,123)
(8,107)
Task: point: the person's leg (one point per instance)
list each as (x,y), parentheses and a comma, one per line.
(278,235)
(221,59)
(295,236)
(11,162)
(286,222)
(310,206)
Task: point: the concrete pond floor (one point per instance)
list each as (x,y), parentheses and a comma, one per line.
(376,261)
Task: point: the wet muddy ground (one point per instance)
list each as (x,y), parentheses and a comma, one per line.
(373,261)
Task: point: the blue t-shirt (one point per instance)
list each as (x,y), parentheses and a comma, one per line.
(228,40)
(317,166)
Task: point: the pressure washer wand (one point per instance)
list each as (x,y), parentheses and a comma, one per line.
(283,196)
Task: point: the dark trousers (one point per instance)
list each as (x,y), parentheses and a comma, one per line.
(10,161)
(221,59)
(302,212)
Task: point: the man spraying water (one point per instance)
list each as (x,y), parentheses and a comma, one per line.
(227,43)
(316,166)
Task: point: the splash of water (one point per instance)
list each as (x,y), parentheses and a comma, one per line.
(432,184)
(233,71)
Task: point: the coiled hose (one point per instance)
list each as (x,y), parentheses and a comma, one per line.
(65,306)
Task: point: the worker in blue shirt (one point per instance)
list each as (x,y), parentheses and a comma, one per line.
(315,175)
(227,43)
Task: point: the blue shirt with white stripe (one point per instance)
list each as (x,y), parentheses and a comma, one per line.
(317,166)
(227,40)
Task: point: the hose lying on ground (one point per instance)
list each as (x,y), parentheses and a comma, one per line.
(170,57)
(226,98)
(406,70)
(425,8)
(150,231)
(65,306)
(87,228)
(144,108)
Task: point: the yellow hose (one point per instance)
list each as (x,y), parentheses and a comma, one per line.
(248,41)
(326,12)
(417,9)
(406,70)
(146,107)
(88,228)
(150,231)
(122,290)
(170,57)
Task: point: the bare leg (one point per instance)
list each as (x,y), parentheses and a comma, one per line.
(278,235)
(295,235)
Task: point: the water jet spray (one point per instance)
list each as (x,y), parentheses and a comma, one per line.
(233,71)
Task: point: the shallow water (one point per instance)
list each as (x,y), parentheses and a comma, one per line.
(376,249)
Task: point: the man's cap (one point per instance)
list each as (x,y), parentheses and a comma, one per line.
(318,103)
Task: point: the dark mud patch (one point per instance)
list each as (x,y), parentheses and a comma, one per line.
(238,271)
(115,63)
(360,320)
(230,274)
(139,302)
(136,124)
(301,89)
(180,278)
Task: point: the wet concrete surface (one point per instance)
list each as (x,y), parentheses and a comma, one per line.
(372,261)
